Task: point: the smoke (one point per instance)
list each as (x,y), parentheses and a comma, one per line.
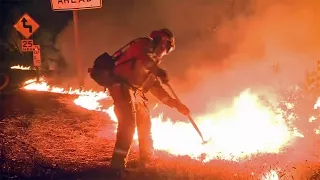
(223,46)
(118,22)
(269,48)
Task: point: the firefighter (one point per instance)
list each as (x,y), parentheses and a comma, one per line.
(138,69)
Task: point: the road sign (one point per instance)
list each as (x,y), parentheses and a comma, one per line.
(36,56)
(66,5)
(27,45)
(26,26)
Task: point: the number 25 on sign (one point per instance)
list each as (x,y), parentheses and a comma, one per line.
(36,56)
(26,45)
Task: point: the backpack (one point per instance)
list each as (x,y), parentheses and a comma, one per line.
(103,66)
(102,70)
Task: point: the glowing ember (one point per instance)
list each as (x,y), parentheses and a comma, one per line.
(245,128)
(21,67)
(317,105)
(271,175)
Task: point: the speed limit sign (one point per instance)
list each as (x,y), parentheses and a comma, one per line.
(36,56)
(26,45)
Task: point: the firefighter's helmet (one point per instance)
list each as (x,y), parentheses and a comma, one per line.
(164,35)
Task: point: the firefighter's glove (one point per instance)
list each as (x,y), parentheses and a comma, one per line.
(163,75)
(183,109)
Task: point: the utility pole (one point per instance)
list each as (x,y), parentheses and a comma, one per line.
(75,6)
(77,49)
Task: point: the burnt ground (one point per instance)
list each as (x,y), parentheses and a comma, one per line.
(45,136)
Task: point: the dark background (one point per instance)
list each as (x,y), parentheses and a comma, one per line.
(50,22)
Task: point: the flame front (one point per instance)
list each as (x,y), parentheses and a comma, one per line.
(245,128)
(21,67)
(271,175)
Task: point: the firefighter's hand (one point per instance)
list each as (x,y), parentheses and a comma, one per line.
(183,109)
(163,75)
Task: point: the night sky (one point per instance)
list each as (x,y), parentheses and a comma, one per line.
(12,10)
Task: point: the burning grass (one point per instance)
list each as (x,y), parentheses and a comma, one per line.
(230,128)
(21,67)
(63,140)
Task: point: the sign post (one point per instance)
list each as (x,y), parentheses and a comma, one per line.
(36,56)
(26,26)
(77,48)
(37,59)
(75,5)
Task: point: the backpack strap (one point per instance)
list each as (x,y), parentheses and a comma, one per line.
(120,51)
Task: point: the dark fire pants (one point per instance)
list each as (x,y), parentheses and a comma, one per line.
(130,112)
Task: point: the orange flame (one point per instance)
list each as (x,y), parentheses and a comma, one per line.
(271,175)
(21,67)
(317,104)
(32,84)
(245,128)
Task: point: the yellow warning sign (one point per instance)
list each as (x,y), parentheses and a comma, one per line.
(26,26)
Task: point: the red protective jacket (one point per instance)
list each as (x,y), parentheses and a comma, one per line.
(139,67)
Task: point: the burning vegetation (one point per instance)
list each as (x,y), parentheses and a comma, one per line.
(267,129)
(21,67)
(258,130)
